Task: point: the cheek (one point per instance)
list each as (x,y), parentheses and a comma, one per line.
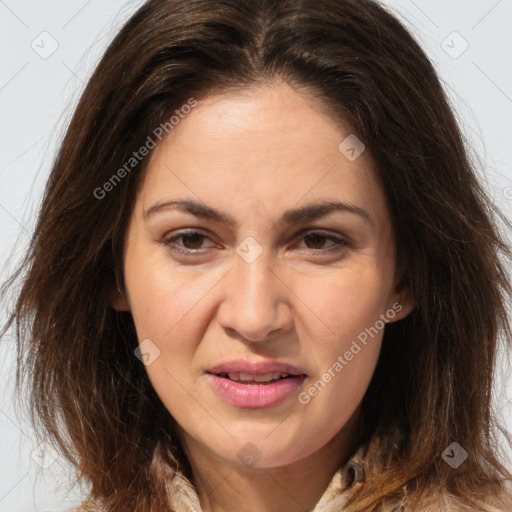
(165,305)
(162,299)
(344,305)
(344,337)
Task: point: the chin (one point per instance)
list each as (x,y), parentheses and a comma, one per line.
(262,452)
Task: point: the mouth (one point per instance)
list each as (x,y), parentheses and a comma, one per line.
(254,378)
(253,386)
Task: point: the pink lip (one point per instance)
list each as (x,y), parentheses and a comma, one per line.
(258,368)
(254,395)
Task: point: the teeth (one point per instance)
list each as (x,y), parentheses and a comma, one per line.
(251,377)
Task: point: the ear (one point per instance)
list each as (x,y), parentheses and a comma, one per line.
(118,299)
(401,301)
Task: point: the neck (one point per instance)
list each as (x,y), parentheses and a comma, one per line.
(226,486)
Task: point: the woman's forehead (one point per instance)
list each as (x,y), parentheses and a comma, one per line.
(256,146)
(270,117)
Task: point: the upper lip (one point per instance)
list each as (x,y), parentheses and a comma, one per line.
(257,368)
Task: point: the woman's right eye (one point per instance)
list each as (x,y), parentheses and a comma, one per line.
(191,241)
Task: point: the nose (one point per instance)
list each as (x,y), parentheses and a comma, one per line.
(255,300)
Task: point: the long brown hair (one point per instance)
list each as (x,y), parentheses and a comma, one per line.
(434,378)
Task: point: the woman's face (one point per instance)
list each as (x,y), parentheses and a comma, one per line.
(259,310)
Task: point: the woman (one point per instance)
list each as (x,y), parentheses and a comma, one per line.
(264,275)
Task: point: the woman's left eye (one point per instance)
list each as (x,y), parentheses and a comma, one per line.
(319,238)
(191,241)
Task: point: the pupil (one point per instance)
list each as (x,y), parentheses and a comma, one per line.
(318,238)
(187,238)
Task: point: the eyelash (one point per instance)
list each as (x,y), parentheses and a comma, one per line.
(339,242)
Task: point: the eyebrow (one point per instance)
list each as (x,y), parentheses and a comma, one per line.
(306,213)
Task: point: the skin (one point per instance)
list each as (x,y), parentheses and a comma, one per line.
(254,155)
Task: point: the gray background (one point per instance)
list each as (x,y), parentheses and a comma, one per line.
(48,51)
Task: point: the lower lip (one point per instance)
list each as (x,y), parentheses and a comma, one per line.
(255,395)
